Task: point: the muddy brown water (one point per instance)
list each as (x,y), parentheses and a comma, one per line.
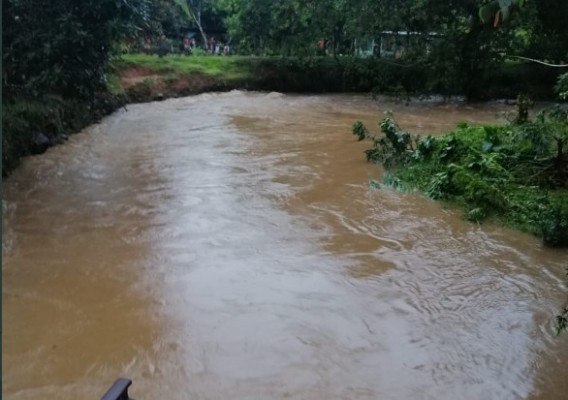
(229,246)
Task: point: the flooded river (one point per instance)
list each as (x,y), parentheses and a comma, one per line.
(228,246)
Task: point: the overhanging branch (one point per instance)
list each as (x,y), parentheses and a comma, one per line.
(541,62)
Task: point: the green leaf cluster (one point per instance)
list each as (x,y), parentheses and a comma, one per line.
(517,174)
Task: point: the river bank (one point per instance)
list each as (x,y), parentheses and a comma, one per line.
(33,122)
(147,78)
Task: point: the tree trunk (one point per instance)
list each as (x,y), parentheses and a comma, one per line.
(197,20)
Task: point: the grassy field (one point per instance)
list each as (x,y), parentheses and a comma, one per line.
(230,68)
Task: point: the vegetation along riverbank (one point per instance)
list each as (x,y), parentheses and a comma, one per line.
(146,77)
(34,119)
(515,173)
(67,66)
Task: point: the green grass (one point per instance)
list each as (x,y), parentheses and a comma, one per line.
(228,68)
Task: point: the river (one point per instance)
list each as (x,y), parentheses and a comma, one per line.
(228,246)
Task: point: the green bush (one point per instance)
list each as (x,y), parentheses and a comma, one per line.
(64,47)
(514,173)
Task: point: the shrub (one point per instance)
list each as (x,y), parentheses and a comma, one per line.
(510,172)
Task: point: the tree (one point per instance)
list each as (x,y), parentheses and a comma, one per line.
(194,9)
(277,26)
(64,48)
(164,18)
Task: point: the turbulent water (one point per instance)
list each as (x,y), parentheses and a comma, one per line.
(228,246)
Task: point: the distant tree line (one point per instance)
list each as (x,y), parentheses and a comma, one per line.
(473,37)
(64,45)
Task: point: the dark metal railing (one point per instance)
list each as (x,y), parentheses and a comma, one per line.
(118,390)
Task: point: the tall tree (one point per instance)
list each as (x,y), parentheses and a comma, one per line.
(193,9)
(64,47)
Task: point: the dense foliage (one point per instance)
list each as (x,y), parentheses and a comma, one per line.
(462,48)
(517,173)
(62,47)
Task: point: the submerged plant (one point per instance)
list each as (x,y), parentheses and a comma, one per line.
(476,215)
(562,321)
(562,318)
(374,184)
(392,148)
(360,131)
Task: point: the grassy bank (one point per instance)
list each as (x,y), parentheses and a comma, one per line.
(149,77)
(515,174)
(228,68)
(143,78)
